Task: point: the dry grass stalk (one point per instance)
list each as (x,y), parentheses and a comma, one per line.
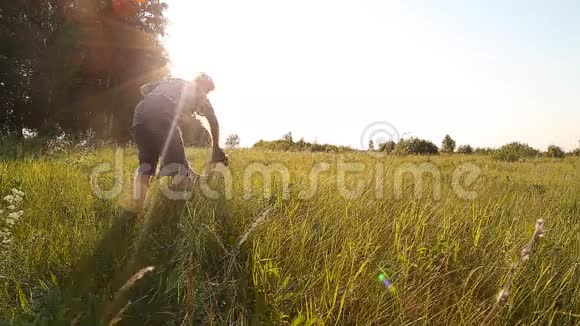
(259,220)
(525,253)
(189,288)
(114,315)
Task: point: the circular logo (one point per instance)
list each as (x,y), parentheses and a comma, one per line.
(379,132)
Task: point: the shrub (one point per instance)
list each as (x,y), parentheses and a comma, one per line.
(575,152)
(515,151)
(299,146)
(387,147)
(484,150)
(465,149)
(555,152)
(416,146)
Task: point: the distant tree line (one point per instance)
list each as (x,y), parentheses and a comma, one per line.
(415,146)
(67,66)
(287,144)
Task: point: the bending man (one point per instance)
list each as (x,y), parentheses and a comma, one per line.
(157,134)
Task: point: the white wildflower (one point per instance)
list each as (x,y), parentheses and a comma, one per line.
(9,198)
(16,215)
(11,207)
(17,192)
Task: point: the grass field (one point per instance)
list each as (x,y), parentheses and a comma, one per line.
(309,260)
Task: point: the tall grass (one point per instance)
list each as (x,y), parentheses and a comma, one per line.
(309,261)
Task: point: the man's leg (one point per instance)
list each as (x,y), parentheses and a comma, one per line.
(175,164)
(148,156)
(140,189)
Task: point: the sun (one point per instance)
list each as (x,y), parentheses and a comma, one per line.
(189,40)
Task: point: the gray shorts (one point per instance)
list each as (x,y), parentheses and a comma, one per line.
(157,138)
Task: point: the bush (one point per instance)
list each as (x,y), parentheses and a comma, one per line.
(575,152)
(555,152)
(484,151)
(299,146)
(515,151)
(387,147)
(416,146)
(465,149)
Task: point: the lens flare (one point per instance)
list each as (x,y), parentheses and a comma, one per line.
(383,279)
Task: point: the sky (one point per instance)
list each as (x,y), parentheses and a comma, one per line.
(485,72)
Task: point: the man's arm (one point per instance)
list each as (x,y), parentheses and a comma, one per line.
(214,131)
(207,111)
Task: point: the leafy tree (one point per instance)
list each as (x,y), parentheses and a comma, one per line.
(465,149)
(371,145)
(287,137)
(416,146)
(233,141)
(515,151)
(448,144)
(575,152)
(388,146)
(70,65)
(555,152)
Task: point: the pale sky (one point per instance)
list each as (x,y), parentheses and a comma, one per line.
(485,72)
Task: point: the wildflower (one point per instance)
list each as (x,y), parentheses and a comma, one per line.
(16,215)
(11,207)
(17,192)
(9,198)
(1,211)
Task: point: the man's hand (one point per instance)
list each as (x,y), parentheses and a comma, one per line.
(219,156)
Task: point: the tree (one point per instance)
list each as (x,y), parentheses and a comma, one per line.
(288,137)
(70,65)
(387,147)
(371,145)
(233,141)
(448,144)
(555,152)
(465,149)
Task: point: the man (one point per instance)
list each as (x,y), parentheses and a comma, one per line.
(156,130)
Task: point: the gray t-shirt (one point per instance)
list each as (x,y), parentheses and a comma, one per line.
(183,100)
